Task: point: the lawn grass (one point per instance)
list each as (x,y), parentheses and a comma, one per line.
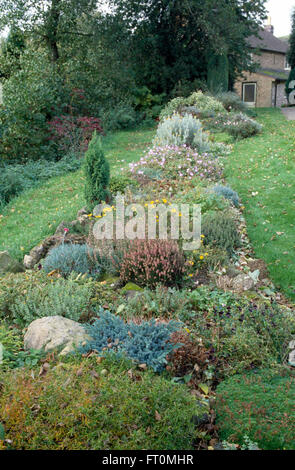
(261,169)
(36,213)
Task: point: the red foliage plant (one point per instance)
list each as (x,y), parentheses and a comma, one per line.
(74,132)
(152,262)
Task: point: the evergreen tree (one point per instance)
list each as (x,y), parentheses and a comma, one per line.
(97,172)
(218,73)
(291,52)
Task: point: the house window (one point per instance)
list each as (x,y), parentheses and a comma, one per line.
(249,93)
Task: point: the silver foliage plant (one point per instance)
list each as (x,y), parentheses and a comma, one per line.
(182,130)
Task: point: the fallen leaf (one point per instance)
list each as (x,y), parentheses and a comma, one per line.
(157,416)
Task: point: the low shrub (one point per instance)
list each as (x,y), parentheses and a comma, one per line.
(260,405)
(163,302)
(86,405)
(119,184)
(242,334)
(13,354)
(174,161)
(238,125)
(16,178)
(232,102)
(227,193)
(207,200)
(219,230)
(64,297)
(68,258)
(146,343)
(152,262)
(180,130)
(206,104)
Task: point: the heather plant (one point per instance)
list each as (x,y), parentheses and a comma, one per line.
(180,130)
(97,173)
(260,405)
(173,161)
(227,193)
(65,298)
(152,262)
(96,406)
(146,343)
(68,258)
(219,230)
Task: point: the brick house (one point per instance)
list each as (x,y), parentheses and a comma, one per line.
(265,87)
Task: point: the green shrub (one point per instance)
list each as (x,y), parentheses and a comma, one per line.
(162,302)
(219,229)
(232,102)
(16,178)
(187,130)
(97,173)
(68,258)
(242,334)
(86,405)
(64,297)
(238,125)
(259,405)
(206,105)
(118,184)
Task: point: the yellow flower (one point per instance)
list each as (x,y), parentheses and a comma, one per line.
(89,215)
(164,200)
(186,329)
(206,254)
(202,236)
(201,257)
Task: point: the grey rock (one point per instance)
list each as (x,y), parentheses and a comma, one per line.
(82,211)
(292,358)
(55,332)
(242,283)
(8,264)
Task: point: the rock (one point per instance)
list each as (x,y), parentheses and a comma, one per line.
(82,211)
(8,264)
(292,358)
(54,332)
(242,283)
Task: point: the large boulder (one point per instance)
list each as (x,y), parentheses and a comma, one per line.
(8,264)
(55,332)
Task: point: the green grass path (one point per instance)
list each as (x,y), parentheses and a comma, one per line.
(262,171)
(36,213)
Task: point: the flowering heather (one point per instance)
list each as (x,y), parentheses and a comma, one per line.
(178,161)
(153,262)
